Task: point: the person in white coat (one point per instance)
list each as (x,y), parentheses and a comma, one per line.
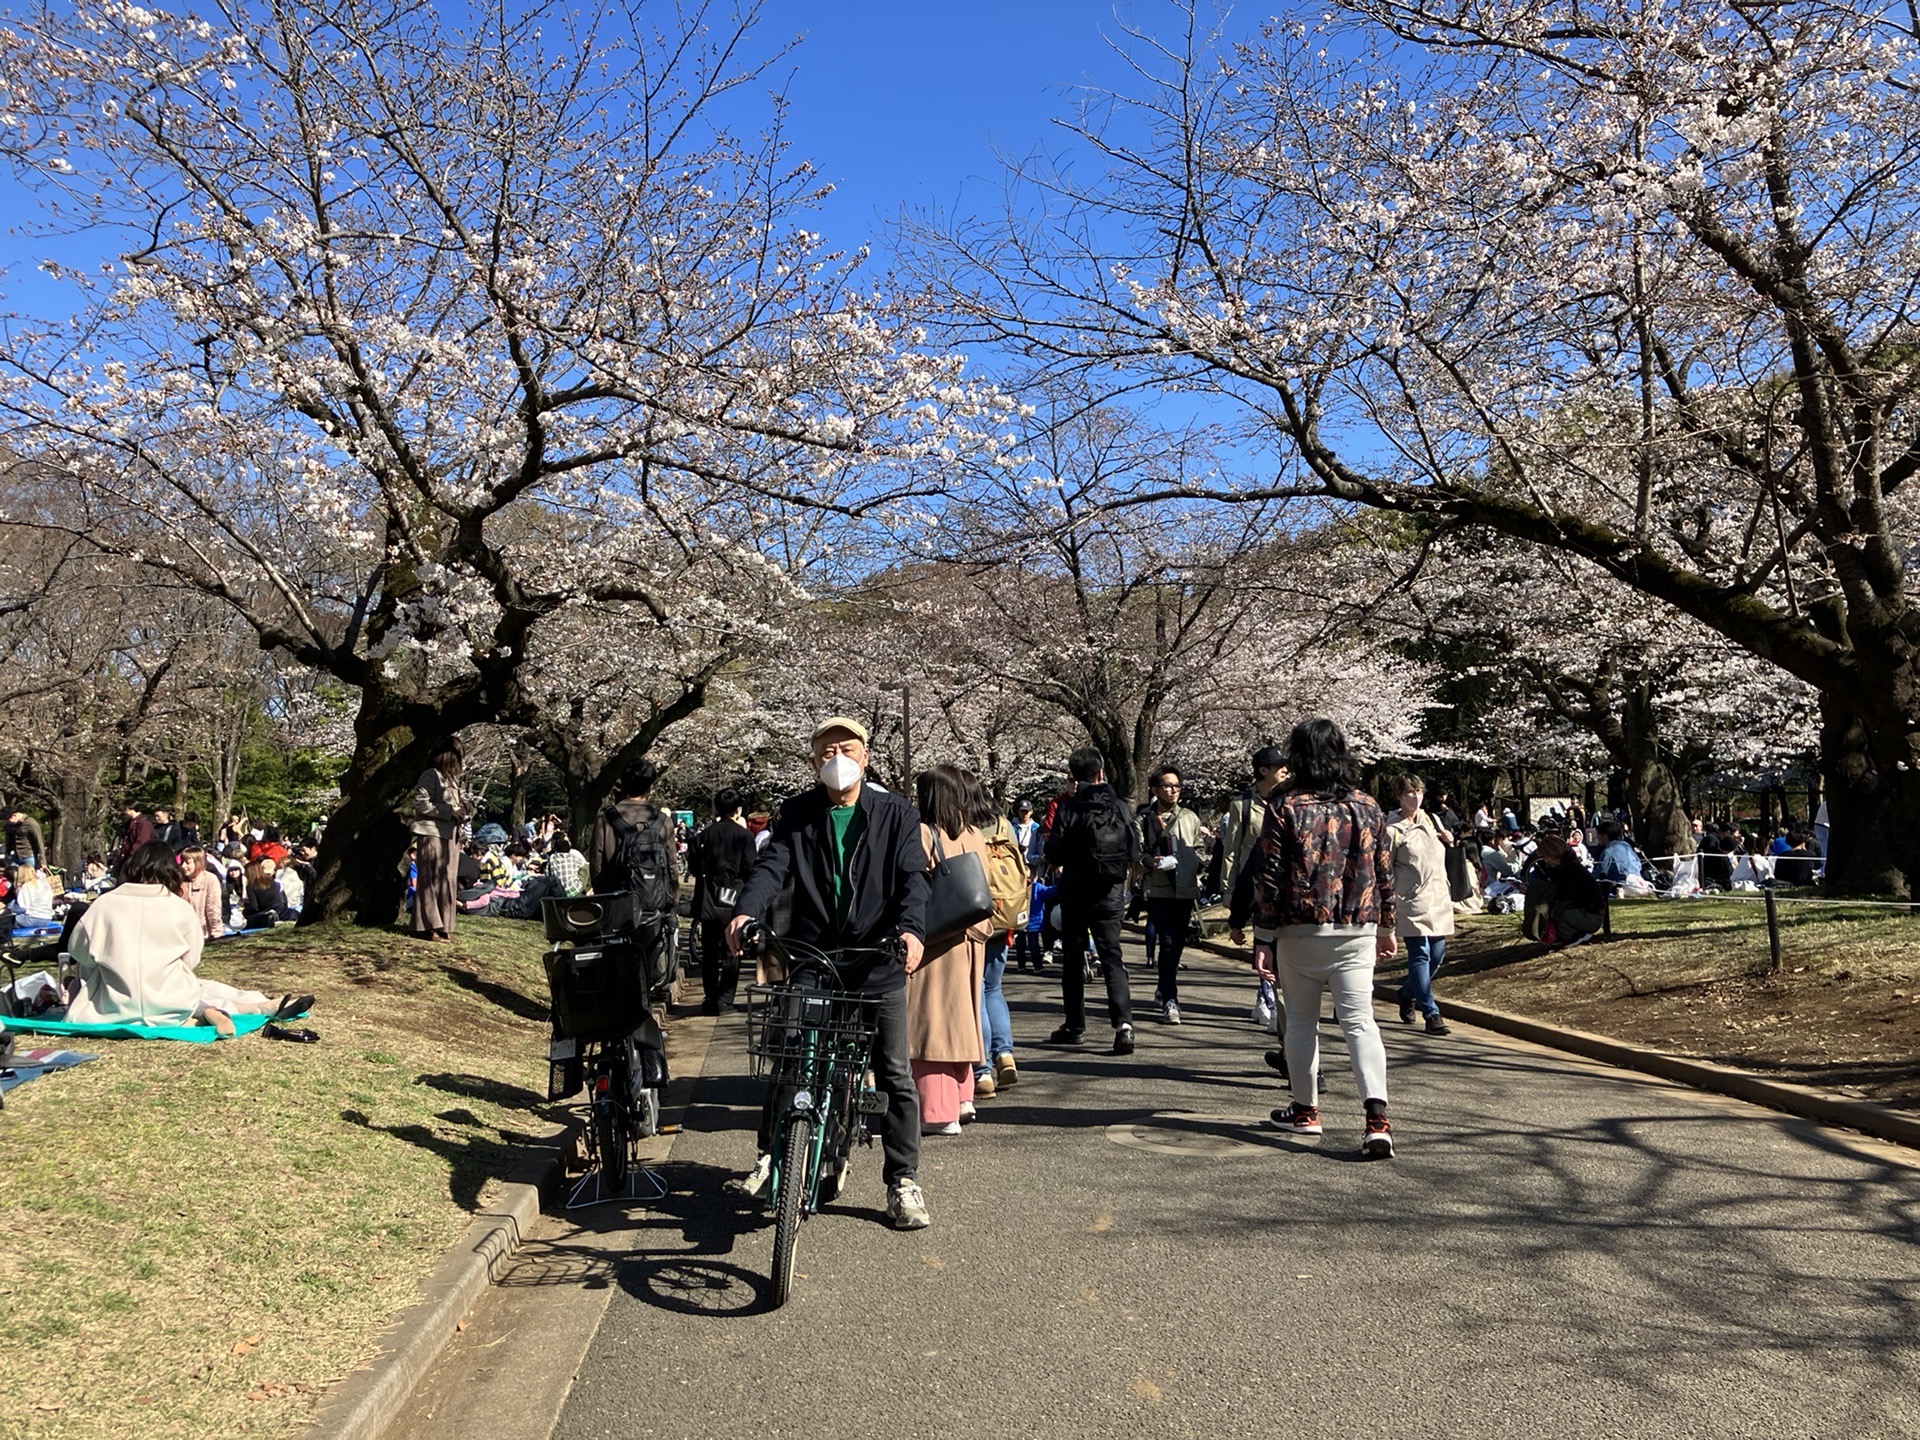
(137,949)
(1423,900)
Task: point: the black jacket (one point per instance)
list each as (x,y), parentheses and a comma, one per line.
(888,875)
(720,857)
(1070,843)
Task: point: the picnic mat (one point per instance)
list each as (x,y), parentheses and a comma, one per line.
(113,1030)
(32,1064)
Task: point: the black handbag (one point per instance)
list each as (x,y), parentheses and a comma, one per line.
(958,897)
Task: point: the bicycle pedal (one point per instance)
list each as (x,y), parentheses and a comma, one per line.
(872,1102)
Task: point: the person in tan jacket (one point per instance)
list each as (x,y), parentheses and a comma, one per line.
(439,807)
(943,994)
(137,948)
(1425,900)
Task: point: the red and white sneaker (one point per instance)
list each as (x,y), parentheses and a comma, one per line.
(1378,1142)
(1296,1119)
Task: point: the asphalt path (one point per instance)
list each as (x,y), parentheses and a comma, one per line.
(1120,1248)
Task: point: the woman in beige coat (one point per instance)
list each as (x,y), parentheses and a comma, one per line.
(1423,899)
(438,808)
(943,994)
(137,948)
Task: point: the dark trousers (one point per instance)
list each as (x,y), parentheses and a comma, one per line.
(892,1077)
(719,966)
(1098,920)
(1170,920)
(1027,950)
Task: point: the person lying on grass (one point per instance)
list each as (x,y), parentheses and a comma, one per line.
(137,948)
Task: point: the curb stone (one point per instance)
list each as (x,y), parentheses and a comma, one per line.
(1879,1121)
(365,1405)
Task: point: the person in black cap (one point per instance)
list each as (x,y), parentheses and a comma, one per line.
(1239,839)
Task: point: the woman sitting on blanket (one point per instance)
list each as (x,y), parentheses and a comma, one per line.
(137,948)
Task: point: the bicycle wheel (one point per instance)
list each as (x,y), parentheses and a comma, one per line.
(794,1161)
(613,1128)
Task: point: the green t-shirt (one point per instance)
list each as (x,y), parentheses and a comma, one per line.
(848,826)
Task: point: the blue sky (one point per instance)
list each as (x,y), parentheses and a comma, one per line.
(900,102)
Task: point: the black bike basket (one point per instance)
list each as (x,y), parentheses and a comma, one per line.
(599,990)
(792,1032)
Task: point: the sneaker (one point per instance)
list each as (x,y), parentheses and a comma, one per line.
(1123,1040)
(1066,1035)
(1296,1119)
(1378,1143)
(984,1087)
(907,1207)
(758,1181)
(1158,998)
(1406,1012)
(1170,1012)
(1263,1013)
(1579,940)
(1004,1071)
(952,1127)
(1437,1026)
(967,1113)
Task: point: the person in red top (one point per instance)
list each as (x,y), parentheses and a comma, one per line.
(269,847)
(136,832)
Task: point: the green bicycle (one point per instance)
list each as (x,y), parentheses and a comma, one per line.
(811,1039)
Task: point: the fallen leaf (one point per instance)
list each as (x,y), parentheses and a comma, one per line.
(459,1325)
(1102,1223)
(241,1347)
(1145,1389)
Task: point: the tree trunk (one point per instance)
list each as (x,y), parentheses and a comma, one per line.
(1871,790)
(1653,794)
(358,872)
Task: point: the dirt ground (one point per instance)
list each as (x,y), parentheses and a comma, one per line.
(1694,977)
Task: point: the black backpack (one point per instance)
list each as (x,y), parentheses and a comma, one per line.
(1112,843)
(640,864)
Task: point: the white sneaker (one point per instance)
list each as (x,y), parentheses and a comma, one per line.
(952,1127)
(907,1207)
(757,1181)
(1171,1011)
(1263,1013)
(967,1112)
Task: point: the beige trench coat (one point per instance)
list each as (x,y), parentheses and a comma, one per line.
(943,995)
(1422,899)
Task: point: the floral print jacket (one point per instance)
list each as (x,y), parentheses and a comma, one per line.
(1322,860)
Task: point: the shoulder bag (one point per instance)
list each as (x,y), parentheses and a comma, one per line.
(958,896)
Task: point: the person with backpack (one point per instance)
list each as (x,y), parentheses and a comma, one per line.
(1239,840)
(1170,841)
(1010,884)
(633,849)
(719,859)
(1094,843)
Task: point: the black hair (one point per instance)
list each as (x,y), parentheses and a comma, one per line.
(982,813)
(153,864)
(1086,764)
(1613,829)
(560,843)
(1161,772)
(726,801)
(1317,755)
(270,835)
(942,796)
(639,776)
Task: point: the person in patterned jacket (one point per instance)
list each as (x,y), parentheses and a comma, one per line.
(1323,914)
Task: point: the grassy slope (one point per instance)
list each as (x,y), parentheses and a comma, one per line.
(169,1201)
(1691,976)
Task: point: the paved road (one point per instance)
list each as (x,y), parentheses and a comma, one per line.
(1119,1249)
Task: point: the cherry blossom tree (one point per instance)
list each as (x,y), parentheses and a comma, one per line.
(1634,283)
(427,328)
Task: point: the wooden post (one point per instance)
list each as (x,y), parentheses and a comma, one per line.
(1773,934)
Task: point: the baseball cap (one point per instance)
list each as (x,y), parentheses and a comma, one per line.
(838,722)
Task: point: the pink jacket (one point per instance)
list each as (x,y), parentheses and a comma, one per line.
(204,894)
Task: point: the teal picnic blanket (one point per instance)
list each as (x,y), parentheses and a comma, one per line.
(115,1030)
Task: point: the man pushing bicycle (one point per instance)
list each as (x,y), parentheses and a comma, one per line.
(852,857)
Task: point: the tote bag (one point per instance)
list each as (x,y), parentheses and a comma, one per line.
(958,897)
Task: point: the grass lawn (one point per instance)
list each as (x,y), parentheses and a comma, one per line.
(1691,977)
(200,1238)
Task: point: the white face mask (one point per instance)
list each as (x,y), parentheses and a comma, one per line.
(839,773)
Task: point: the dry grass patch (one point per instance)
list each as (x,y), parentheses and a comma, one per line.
(1692,977)
(200,1238)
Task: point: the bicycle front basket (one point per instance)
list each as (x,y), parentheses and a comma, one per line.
(793,1032)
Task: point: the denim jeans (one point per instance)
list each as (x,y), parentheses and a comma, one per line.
(996,1021)
(1425,955)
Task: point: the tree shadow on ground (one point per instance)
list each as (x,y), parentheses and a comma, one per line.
(504,996)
